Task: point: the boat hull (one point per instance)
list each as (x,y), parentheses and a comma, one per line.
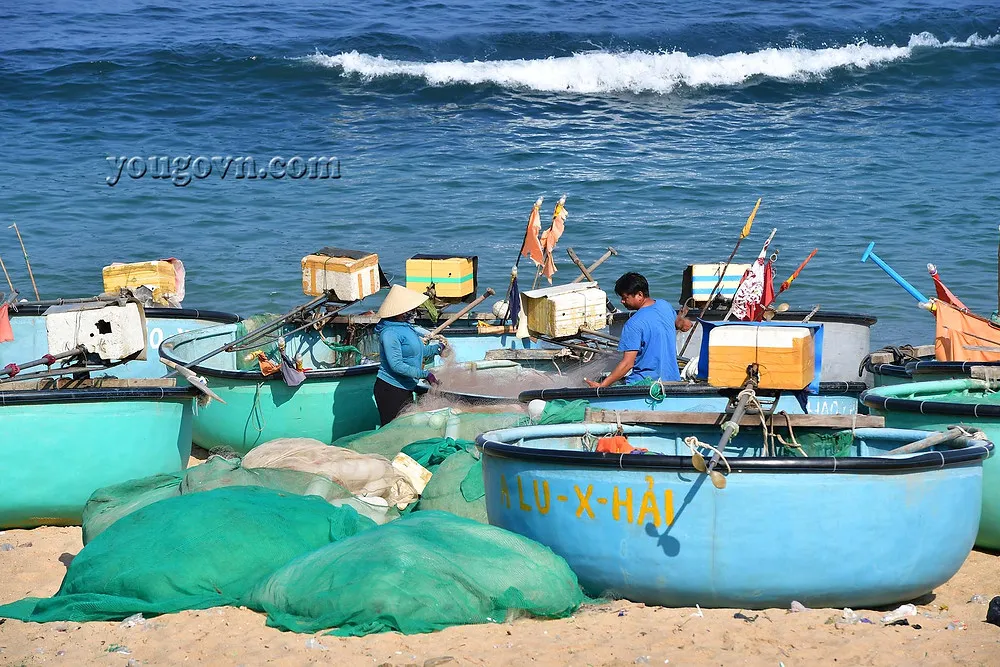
(60,448)
(913,405)
(257,411)
(635,528)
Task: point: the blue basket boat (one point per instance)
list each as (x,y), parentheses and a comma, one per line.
(856,529)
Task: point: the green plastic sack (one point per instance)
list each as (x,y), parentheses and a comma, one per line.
(561,411)
(432,452)
(457,487)
(190,552)
(422,573)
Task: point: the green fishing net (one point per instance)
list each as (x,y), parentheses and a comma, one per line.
(190,552)
(110,504)
(249,325)
(839,444)
(422,573)
(457,487)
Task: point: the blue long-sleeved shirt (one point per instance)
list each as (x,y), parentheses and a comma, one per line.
(402,354)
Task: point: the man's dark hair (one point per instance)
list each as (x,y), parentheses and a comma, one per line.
(631,283)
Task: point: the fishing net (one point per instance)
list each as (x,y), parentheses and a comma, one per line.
(839,444)
(432,452)
(361,474)
(110,504)
(425,572)
(249,325)
(457,487)
(401,431)
(560,411)
(190,552)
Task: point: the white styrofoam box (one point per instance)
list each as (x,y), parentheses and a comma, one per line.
(350,279)
(110,331)
(750,336)
(563,310)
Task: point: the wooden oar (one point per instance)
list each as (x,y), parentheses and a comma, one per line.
(579,263)
(454,318)
(744,232)
(926,443)
(192,379)
(257,333)
(7,275)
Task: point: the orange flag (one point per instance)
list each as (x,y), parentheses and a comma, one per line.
(6,333)
(962,336)
(551,236)
(532,248)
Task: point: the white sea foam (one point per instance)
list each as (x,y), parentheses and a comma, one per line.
(639,71)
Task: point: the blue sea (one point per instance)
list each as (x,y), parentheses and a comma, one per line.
(662,122)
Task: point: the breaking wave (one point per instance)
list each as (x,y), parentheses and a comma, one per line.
(643,72)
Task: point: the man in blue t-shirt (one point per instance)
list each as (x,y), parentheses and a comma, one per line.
(649,338)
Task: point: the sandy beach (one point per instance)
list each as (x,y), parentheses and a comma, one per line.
(948,629)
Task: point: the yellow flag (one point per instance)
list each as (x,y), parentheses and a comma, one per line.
(746,228)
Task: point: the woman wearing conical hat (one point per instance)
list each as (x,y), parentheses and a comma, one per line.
(401,352)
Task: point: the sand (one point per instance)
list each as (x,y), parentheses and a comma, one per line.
(619,633)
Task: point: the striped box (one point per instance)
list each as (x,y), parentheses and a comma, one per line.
(699,279)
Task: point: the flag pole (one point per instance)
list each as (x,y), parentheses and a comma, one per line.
(711,295)
(795,274)
(30,274)
(6,275)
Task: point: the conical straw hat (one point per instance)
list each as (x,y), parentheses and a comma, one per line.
(400,300)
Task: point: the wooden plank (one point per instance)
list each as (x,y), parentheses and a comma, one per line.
(717,418)
(86,383)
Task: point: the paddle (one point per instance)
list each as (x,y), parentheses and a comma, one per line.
(192,379)
(745,232)
(926,443)
(869,253)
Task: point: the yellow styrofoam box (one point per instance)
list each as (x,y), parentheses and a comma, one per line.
(786,356)
(351,279)
(562,310)
(453,277)
(156,274)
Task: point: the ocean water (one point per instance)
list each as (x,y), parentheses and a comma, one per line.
(662,122)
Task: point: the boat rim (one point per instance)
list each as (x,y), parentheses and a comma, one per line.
(684,388)
(95,394)
(332,373)
(873,399)
(491,443)
(221,317)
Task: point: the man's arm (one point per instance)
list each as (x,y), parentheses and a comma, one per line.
(682,323)
(620,371)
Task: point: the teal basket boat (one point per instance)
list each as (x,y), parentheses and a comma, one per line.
(970,403)
(61,445)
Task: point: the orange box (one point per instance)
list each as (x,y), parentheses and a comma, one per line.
(786,356)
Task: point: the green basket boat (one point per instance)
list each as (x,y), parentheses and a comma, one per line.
(972,404)
(335,400)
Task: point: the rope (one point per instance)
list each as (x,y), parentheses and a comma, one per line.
(791,433)
(693,443)
(255,408)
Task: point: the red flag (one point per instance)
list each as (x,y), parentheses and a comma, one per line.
(943,293)
(6,333)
